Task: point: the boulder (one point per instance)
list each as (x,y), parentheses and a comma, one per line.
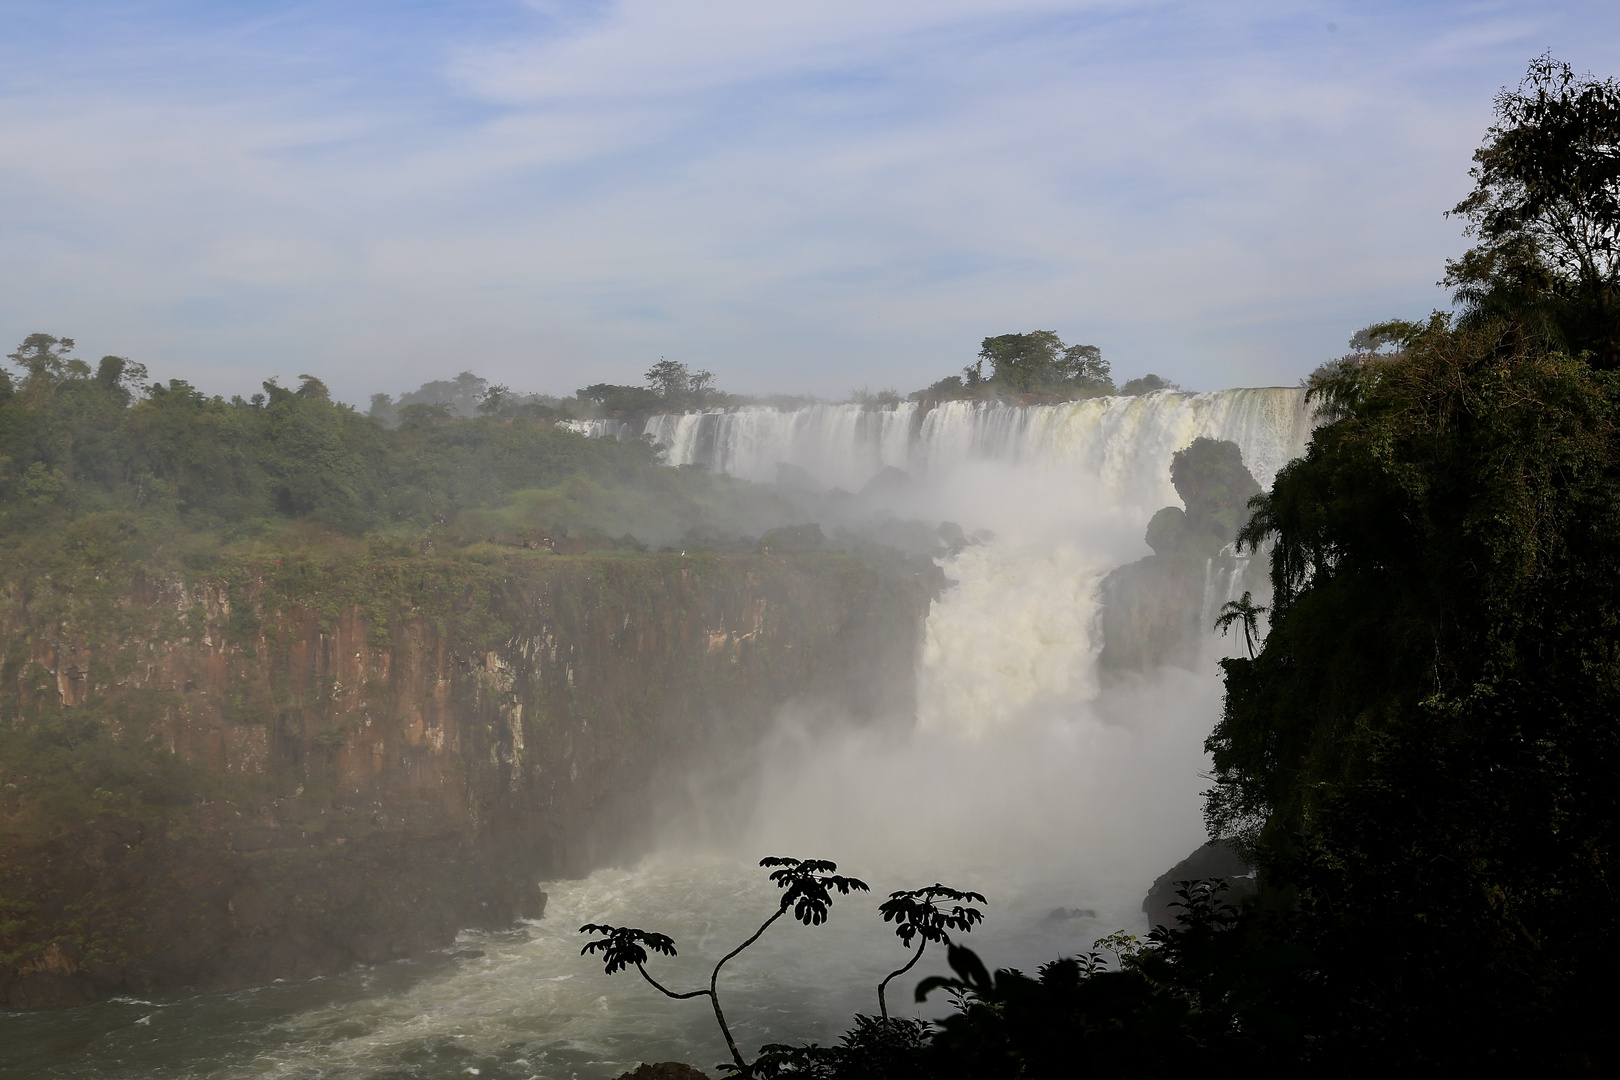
(1216,859)
(664,1070)
(1153,610)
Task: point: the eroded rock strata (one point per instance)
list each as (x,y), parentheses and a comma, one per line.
(384,748)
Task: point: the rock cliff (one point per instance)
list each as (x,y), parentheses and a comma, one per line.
(279,767)
(1156,611)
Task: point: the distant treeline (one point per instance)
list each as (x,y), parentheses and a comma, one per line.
(76,439)
(99,452)
(669,387)
(1036,364)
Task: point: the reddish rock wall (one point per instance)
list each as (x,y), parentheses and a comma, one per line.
(405,746)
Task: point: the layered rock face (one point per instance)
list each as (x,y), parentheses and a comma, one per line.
(1156,610)
(388,749)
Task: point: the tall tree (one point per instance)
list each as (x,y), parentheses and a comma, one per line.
(1039,361)
(1545,210)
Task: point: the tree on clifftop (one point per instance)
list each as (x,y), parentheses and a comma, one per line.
(1039,362)
(1546,211)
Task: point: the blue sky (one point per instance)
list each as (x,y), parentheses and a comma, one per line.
(800,196)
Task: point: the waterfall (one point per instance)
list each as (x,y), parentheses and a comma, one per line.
(598,429)
(1124,442)
(1067,490)
(1228,576)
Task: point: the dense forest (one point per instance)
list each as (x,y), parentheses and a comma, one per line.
(93,456)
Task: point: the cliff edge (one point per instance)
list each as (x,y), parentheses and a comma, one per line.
(279,767)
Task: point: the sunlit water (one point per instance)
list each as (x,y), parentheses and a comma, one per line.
(1022,778)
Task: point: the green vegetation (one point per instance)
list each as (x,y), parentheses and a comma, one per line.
(1146,385)
(1039,362)
(671,387)
(129,507)
(467,396)
(1544,205)
(1037,365)
(185,472)
(52,764)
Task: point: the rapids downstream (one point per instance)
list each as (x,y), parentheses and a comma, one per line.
(1024,778)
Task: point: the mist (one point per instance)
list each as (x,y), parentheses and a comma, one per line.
(1026,771)
(1016,731)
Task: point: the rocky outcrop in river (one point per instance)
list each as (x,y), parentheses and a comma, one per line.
(1158,610)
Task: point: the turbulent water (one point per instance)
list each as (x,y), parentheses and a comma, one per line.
(1023,778)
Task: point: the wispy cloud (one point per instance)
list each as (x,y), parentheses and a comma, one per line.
(797,195)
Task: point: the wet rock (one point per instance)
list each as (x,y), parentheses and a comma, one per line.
(792,476)
(664,1070)
(1153,610)
(1152,614)
(1216,859)
(518,731)
(887,486)
(952,536)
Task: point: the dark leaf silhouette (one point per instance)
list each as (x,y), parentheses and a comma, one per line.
(922,915)
(624,946)
(807,888)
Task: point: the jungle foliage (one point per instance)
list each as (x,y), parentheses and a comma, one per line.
(107,476)
(670,387)
(1422,751)
(182,469)
(1039,362)
(1036,364)
(1545,200)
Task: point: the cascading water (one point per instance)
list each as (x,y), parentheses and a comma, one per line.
(1026,777)
(1124,442)
(1067,489)
(598,429)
